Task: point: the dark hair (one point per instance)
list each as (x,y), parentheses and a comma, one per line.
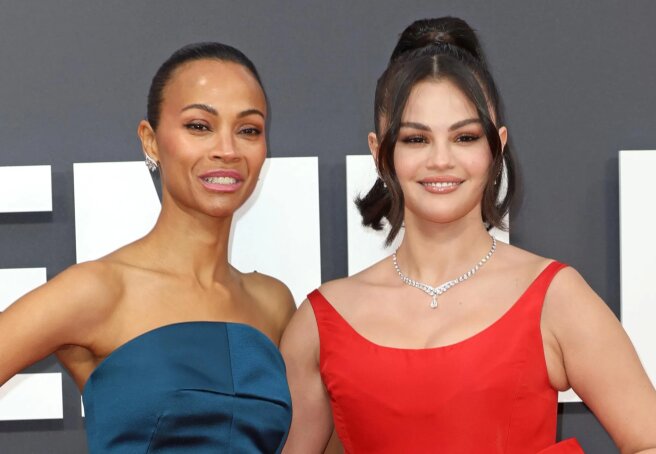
(442,48)
(188,53)
(446,30)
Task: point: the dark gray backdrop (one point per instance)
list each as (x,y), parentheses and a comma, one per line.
(577,79)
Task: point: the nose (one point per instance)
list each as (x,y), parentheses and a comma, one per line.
(224,148)
(440,156)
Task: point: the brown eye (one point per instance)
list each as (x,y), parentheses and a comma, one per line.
(250,131)
(467,138)
(197,127)
(414,139)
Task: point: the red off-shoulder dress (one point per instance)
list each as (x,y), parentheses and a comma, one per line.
(489,393)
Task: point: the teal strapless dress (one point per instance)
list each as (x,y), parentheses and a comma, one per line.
(192,387)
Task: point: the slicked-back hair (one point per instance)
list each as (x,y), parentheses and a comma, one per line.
(189,53)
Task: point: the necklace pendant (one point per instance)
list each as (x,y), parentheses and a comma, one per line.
(433,292)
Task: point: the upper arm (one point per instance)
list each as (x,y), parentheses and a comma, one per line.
(285,305)
(312,418)
(56,314)
(601,363)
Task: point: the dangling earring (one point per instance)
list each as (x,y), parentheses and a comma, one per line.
(152,165)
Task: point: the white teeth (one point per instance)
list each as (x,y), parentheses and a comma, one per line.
(221,180)
(442,184)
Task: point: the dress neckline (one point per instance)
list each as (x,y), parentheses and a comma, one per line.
(459,343)
(169,326)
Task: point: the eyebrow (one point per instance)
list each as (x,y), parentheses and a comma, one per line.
(461,123)
(248,112)
(453,127)
(206,107)
(209,109)
(414,125)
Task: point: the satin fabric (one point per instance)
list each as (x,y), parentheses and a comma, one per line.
(489,393)
(192,387)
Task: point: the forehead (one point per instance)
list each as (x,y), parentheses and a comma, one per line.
(214,82)
(436,101)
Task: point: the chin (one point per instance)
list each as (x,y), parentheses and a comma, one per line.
(219,212)
(444,216)
(221,205)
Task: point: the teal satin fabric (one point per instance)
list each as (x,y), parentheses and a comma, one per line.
(192,387)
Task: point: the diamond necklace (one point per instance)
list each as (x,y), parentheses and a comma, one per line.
(434,292)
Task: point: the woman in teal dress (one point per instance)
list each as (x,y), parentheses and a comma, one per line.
(175,350)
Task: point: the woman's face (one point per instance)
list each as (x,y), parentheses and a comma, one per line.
(442,156)
(210,141)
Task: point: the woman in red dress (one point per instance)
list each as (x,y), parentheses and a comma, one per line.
(456,343)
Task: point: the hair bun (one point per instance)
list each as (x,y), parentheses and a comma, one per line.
(448,30)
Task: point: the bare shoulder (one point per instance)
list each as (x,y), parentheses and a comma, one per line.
(566,282)
(68,308)
(569,298)
(349,289)
(270,289)
(511,259)
(272,295)
(98,279)
(333,289)
(303,323)
(83,286)
(300,341)
(90,288)
(301,337)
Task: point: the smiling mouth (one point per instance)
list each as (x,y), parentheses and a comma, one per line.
(441,184)
(220,180)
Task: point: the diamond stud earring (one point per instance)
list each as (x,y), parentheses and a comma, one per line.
(151,163)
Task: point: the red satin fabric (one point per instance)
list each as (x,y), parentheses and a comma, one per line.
(487,394)
(569,446)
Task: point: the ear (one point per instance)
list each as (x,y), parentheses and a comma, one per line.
(373,145)
(148,140)
(503,136)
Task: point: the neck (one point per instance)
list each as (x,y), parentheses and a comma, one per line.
(190,243)
(434,253)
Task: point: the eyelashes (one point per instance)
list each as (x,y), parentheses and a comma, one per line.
(197,127)
(414,139)
(251,131)
(467,138)
(421,139)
